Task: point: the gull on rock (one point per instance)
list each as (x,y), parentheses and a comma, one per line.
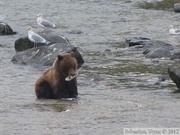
(35,38)
(173,31)
(44,23)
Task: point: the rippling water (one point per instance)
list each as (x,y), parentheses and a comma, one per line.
(117,88)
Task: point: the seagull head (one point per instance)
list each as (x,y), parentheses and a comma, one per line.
(171,27)
(29,28)
(39,15)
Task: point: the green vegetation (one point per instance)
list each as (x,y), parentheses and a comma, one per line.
(162,5)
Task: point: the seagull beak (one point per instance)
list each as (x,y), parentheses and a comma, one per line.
(28,28)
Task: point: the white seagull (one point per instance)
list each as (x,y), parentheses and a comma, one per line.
(35,38)
(44,23)
(173,31)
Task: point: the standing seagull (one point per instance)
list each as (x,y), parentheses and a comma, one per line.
(35,38)
(173,31)
(44,23)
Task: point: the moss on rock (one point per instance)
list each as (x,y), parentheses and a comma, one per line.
(160,5)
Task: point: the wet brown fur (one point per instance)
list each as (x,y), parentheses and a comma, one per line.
(52,84)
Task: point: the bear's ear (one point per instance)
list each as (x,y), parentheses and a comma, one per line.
(72,54)
(60,57)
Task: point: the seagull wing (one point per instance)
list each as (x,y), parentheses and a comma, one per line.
(37,38)
(177,31)
(47,23)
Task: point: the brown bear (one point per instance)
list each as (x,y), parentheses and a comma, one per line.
(59,81)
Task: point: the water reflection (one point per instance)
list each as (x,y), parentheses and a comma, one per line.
(55,105)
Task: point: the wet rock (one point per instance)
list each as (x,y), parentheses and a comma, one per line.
(107,50)
(75,32)
(24,43)
(157,49)
(151,48)
(94,77)
(177,7)
(175,55)
(157,4)
(45,55)
(5,29)
(174,73)
(136,41)
(151,44)
(158,53)
(121,20)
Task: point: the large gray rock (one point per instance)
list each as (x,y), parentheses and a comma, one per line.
(151,48)
(45,55)
(174,73)
(175,55)
(157,49)
(136,41)
(158,53)
(177,7)
(24,43)
(5,29)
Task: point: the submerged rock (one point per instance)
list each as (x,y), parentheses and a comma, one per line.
(45,55)
(5,29)
(157,49)
(175,55)
(157,4)
(75,32)
(177,7)
(94,77)
(174,73)
(24,43)
(152,44)
(151,48)
(158,53)
(136,41)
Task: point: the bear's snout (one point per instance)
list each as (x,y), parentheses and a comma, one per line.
(69,77)
(72,72)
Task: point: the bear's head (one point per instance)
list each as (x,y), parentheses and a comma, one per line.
(66,64)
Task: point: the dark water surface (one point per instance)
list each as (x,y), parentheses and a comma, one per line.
(117,89)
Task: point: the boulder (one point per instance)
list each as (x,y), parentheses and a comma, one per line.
(5,29)
(177,7)
(174,73)
(24,43)
(158,53)
(175,55)
(151,48)
(45,55)
(136,41)
(157,49)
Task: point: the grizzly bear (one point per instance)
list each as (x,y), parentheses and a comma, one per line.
(59,81)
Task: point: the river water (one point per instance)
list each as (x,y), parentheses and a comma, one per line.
(118,87)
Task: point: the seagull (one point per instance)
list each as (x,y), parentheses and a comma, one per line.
(173,31)
(44,23)
(35,38)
